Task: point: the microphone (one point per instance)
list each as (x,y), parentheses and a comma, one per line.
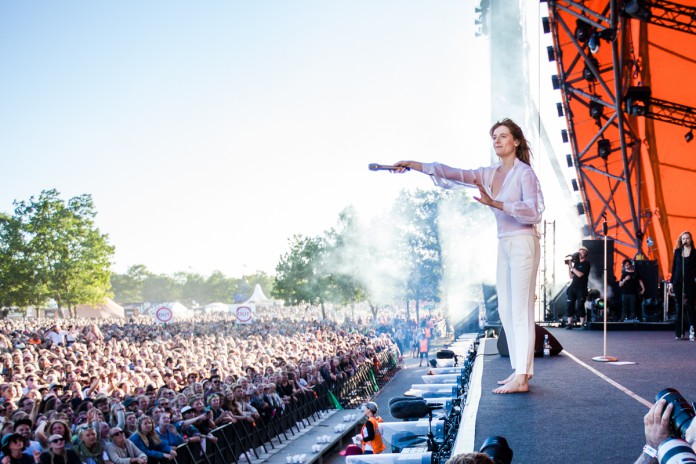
(412,409)
(404,398)
(384,167)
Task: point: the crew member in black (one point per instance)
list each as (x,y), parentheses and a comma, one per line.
(684,284)
(631,286)
(579,272)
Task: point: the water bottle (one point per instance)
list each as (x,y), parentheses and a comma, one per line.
(691,333)
(547,345)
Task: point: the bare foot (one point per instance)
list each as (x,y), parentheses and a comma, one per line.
(508,380)
(520,384)
(511,378)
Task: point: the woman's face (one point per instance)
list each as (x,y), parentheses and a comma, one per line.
(504,143)
(57,428)
(686,239)
(89,436)
(146,426)
(131,420)
(58,444)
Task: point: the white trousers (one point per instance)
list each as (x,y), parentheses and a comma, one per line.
(518,261)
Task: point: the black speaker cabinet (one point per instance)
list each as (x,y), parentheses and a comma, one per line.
(540,332)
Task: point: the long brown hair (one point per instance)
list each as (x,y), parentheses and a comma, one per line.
(523,150)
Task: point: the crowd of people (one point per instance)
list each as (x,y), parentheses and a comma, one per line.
(131,391)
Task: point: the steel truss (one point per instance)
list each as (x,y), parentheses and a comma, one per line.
(595,81)
(593,84)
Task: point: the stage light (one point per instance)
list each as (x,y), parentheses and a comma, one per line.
(593,43)
(596,110)
(608,34)
(564,136)
(545,24)
(585,230)
(603,148)
(637,9)
(551,53)
(638,100)
(559,108)
(587,72)
(581,209)
(569,160)
(689,136)
(555,82)
(574,183)
(583,31)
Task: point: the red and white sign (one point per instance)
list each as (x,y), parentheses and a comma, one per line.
(244,313)
(163,314)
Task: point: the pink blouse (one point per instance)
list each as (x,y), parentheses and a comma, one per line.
(520,194)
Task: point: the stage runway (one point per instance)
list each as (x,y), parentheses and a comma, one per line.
(579,410)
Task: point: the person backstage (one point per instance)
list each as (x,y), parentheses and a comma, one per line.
(511,190)
(576,294)
(683,284)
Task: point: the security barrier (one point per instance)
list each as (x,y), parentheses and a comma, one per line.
(244,441)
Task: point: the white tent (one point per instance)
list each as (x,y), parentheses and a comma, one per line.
(216,308)
(259,298)
(108,308)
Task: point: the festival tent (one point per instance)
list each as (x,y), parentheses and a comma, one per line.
(108,308)
(258,298)
(216,308)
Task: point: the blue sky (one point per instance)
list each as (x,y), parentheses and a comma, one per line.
(209,133)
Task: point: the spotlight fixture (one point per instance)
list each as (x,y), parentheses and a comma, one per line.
(583,31)
(689,136)
(581,209)
(555,82)
(603,148)
(545,24)
(587,71)
(585,230)
(574,183)
(559,108)
(551,53)
(637,9)
(638,100)
(593,43)
(596,110)
(564,135)
(569,160)
(608,34)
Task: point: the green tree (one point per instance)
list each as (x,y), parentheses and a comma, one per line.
(159,288)
(220,287)
(194,289)
(15,274)
(128,287)
(68,257)
(420,249)
(300,274)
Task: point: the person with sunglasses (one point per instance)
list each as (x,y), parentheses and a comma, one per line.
(57,452)
(123,451)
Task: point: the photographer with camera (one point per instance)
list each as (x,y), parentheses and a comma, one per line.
(579,272)
(670,431)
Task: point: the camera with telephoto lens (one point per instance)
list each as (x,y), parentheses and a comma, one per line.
(496,448)
(675,451)
(573,258)
(682,414)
